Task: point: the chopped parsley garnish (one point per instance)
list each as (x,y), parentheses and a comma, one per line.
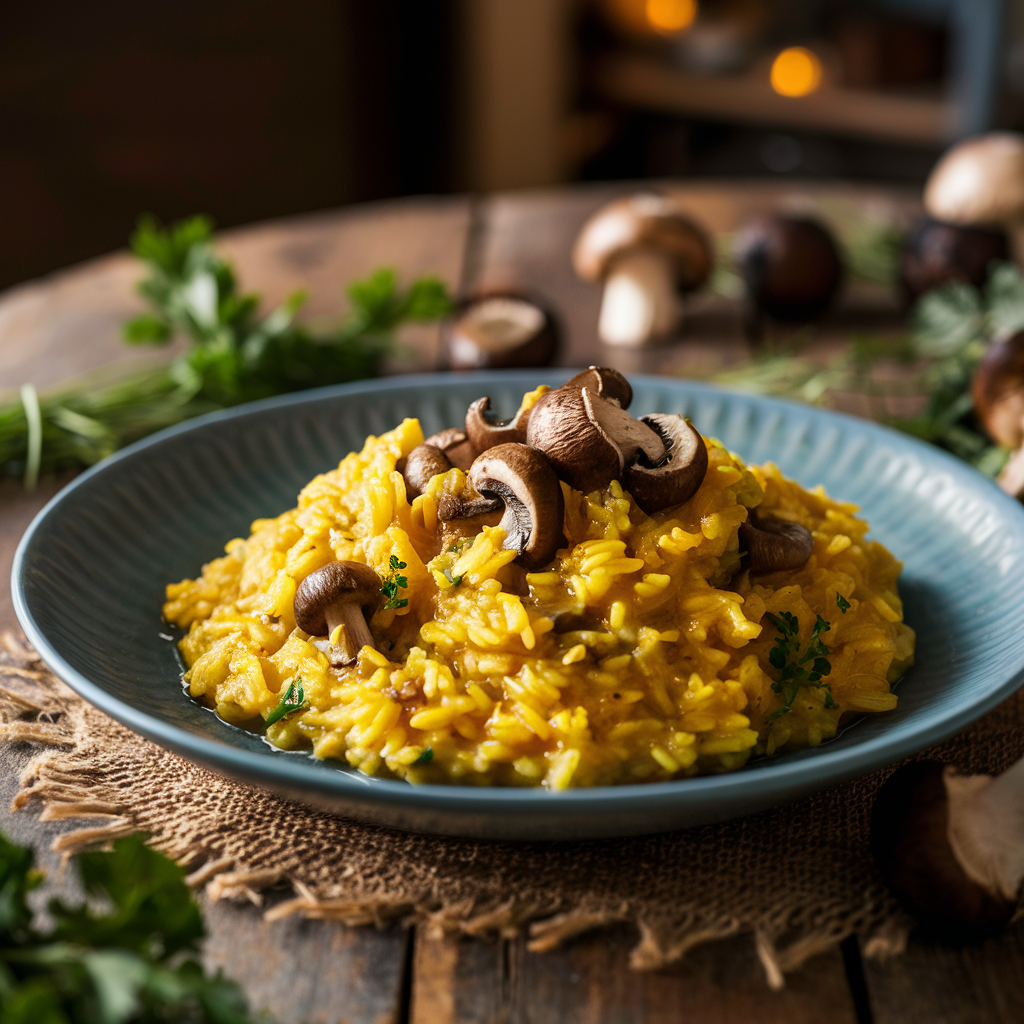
(842,603)
(293,700)
(792,665)
(425,757)
(391,584)
(453,580)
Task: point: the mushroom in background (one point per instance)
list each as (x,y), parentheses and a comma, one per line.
(501,331)
(998,393)
(790,265)
(980,184)
(936,253)
(951,847)
(647,253)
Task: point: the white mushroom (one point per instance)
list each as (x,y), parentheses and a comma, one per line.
(951,846)
(646,252)
(980,183)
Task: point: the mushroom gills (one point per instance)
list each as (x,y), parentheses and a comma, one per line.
(534,508)
(680,472)
(773,543)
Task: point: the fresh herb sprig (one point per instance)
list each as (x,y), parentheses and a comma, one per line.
(135,961)
(234,354)
(798,668)
(294,699)
(392,582)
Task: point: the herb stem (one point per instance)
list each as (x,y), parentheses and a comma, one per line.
(34,443)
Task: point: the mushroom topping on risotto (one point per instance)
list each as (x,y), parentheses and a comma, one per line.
(616,600)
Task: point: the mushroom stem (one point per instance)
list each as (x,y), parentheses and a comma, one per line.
(640,300)
(986,828)
(356,634)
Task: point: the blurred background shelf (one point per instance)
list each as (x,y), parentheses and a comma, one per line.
(648,84)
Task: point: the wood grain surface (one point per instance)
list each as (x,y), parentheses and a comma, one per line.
(305,972)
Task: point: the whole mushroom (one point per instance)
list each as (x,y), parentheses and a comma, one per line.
(590,440)
(998,393)
(936,253)
(980,184)
(790,265)
(647,252)
(951,847)
(773,543)
(679,474)
(534,507)
(342,594)
(499,331)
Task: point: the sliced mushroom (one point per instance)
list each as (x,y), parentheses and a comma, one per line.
(501,330)
(588,439)
(773,543)
(452,507)
(679,475)
(951,847)
(339,594)
(603,381)
(454,443)
(524,481)
(423,463)
(484,434)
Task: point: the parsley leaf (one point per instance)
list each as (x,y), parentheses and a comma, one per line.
(841,603)
(134,960)
(786,657)
(453,580)
(392,582)
(293,700)
(425,757)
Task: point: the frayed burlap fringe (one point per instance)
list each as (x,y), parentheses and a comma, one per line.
(798,878)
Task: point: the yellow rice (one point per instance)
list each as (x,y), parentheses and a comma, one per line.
(640,654)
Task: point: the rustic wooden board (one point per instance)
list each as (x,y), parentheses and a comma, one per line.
(933,984)
(464,981)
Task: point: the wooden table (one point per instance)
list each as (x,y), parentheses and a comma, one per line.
(310,972)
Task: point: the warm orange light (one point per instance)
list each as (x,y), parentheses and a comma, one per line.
(796,71)
(670,16)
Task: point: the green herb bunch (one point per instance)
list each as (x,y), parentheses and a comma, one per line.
(392,582)
(133,962)
(234,354)
(798,668)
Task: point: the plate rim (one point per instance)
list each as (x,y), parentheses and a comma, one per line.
(827,767)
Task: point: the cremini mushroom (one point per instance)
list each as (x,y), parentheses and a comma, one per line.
(935,254)
(951,847)
(605,382)
(523,480)
(773,543)
(790,265)
(422,464)
(454,443)
(980,183)
(646,251)
(998,393)
(484,434)
(681,472)
(589,439)
(342,594)
(499,331)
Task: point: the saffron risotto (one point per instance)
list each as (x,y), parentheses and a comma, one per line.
(642,653)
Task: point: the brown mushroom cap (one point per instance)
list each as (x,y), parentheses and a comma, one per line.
(643,221)
(334,584)
(998,390)
(588,439)
(501,330)
(423,463)
(679,476)
(534,506)
(484,434)
(454,443)
(911,847)
(603,381)
(936,253)
(773,543)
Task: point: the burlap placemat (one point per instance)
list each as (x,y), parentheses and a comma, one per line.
(799,877)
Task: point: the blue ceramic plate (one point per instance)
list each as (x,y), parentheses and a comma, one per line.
(89,581)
